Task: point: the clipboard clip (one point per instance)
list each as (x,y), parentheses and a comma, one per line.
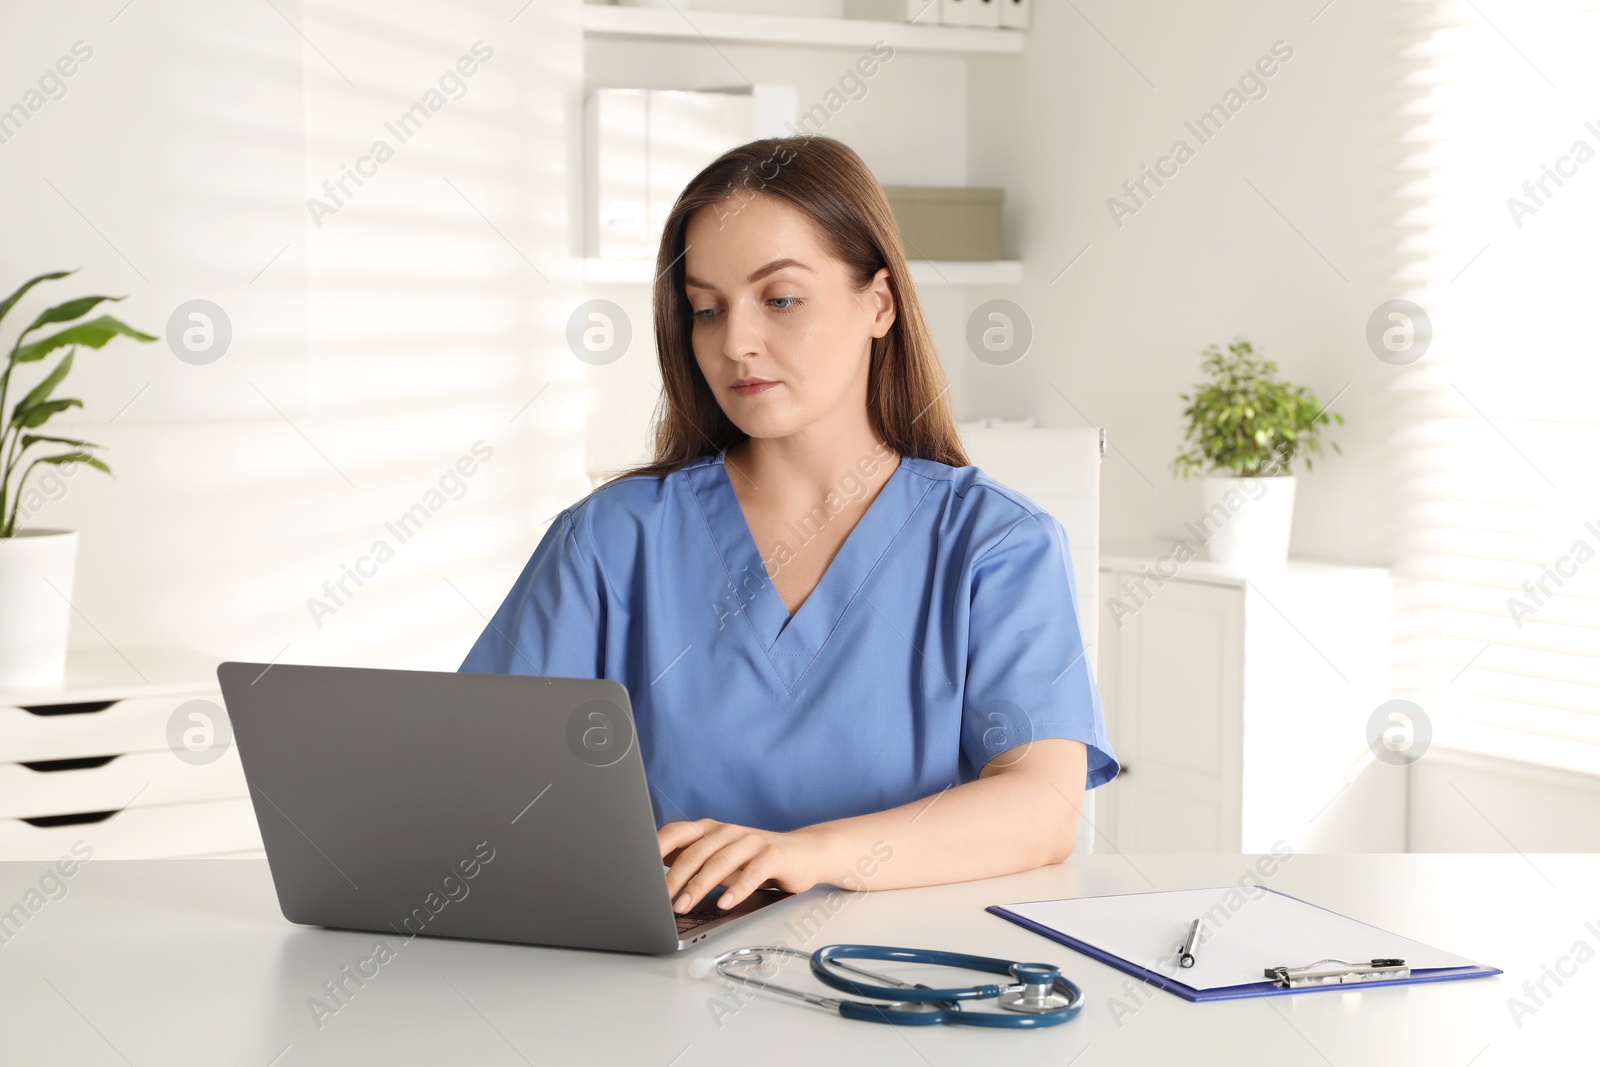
(1348,973)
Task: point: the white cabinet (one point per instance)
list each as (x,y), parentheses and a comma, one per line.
(132,755)
(1238,707)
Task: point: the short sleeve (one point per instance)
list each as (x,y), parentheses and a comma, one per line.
(552,622)
(1028,672)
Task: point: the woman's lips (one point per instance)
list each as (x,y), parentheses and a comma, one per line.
(752,388)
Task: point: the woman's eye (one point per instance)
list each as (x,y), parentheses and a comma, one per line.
(705,313)
(793,302)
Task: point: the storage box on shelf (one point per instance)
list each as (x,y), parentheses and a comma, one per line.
(98,759)
(948,222)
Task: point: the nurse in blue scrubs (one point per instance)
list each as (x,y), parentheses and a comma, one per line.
(852,658)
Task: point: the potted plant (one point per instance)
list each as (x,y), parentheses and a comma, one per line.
(1246,426)
(36,566)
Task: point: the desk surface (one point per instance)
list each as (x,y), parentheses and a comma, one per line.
(170,962)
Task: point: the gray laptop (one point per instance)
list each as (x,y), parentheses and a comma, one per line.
(495,807)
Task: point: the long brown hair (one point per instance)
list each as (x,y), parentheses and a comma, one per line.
(907,396)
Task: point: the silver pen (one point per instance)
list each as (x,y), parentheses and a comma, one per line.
(1186,950)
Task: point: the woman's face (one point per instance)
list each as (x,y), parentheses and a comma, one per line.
(778,331)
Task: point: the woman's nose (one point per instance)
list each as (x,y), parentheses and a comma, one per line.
(742,332)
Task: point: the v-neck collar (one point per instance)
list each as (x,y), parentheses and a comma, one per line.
(791,644)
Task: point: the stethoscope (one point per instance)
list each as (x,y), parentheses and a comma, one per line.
(1039,995)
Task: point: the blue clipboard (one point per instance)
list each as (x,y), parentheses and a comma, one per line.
(1264,988)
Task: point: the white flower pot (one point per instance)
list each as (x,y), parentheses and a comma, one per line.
(35,606)
(1246,521)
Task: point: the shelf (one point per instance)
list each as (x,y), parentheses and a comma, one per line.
(604,20)
(925,273)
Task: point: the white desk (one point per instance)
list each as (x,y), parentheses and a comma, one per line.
(171,962)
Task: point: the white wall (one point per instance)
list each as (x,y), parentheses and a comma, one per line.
(1104,88)
(1311,207)
(1462,802)
(369,353)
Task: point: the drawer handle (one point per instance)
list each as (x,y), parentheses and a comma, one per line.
(77,819)
(81,763)
(68,709)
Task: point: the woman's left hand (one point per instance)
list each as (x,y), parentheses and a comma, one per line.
(707,853)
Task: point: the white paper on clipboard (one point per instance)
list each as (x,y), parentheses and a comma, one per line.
(1245,931)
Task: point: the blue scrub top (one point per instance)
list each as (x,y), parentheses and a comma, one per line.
(943,633)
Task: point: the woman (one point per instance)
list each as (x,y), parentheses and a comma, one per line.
(840,641)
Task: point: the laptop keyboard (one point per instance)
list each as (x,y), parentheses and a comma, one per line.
(699,916)
(706,910)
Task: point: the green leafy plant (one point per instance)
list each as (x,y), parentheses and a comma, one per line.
(1246,421)
(37,407)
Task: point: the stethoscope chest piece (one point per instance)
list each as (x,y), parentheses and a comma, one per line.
(1038,994)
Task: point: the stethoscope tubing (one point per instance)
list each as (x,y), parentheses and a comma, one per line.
(909,1004)
(931,957)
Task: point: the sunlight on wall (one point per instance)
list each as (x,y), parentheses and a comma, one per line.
(380,333)
(1499,623)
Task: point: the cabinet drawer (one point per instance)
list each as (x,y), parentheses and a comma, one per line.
(163,830)
(122,726)
(140,778)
